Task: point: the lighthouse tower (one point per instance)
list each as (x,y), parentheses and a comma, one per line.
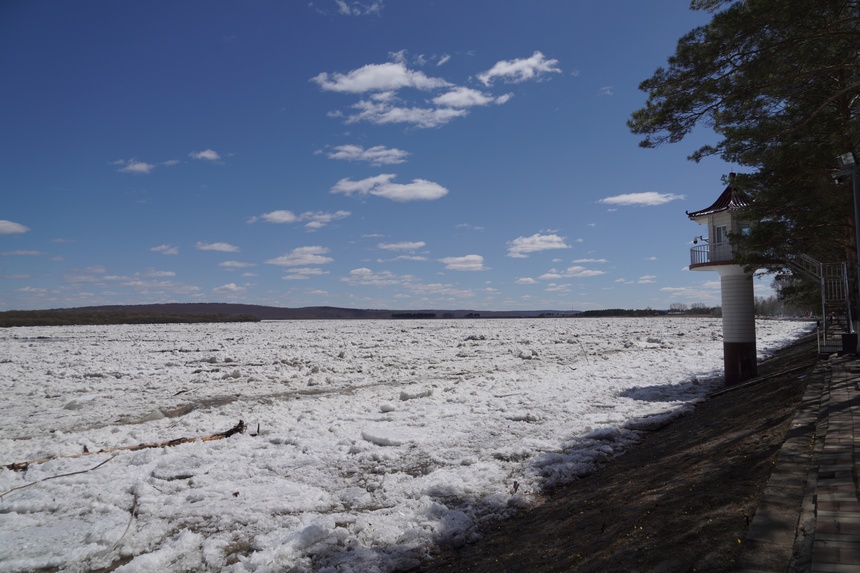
(736,284)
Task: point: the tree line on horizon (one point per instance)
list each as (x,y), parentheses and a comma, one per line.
(72,317)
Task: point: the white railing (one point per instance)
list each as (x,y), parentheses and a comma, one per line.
(711,253)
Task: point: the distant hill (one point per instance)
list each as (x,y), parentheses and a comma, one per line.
(225,312)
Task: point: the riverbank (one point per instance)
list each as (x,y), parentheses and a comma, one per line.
(680,500)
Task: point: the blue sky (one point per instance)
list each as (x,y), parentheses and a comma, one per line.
(378,154)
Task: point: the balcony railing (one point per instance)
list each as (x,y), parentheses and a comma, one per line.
(710,254)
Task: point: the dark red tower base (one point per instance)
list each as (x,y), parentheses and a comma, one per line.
(740,361)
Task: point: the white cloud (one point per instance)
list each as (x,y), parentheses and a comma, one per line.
(464,97)
(279,216)
(571,272)
(649,198)
(222,247)
(377,155)
(554,287)
(156,274)
(590,261)
(403,246)
(516,71)
(469,227)
(319,219)
(12,228)
(303,273)
(232,265)
(302,256)
(366,277)
(230,287)
(390,76)
(578,271)
(345,8)
(647,279)
(381,186)
(134,166)
(384,112)
(519,247)
(443,60)
(313,219)
(206,155)
(605,91)
(166,249)
(22,253)
(403,258)
(465,263)
(526,281)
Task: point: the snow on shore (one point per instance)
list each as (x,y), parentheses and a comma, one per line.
(376,438)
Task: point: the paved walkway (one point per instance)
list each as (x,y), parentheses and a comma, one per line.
(809,517)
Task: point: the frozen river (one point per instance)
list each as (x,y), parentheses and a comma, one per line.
(367,441)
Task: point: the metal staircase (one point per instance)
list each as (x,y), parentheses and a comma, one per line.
(835,301)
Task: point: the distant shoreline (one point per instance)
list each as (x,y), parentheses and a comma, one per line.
(190,313)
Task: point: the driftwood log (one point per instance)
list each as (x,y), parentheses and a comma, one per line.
(237,429)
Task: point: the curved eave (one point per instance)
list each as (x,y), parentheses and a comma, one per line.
(730,200)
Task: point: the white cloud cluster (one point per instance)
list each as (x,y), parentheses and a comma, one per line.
(313,219)
(381,84)
(520,247)
(647,199)
(382,186)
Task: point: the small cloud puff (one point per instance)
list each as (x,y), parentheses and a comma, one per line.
(206,155)
(166,249)
(12,228)
(648,199)
(517,71)
(134,166)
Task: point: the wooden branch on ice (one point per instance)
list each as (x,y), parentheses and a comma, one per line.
(237,429)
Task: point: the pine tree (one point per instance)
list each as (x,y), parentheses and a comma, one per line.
(779,84)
